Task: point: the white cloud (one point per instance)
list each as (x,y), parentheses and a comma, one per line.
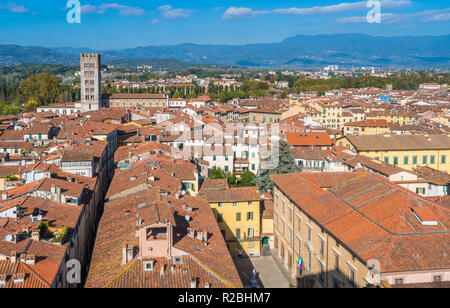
(391,18)
(165,7)
(169,12)
(244,12)
(241,12)
(14,8)
(124,10)
(437,18)
(154,21)
(342,7)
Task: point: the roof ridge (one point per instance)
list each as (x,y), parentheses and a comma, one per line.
(212,272)
(37,275)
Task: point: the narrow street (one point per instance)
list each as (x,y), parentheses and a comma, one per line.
(268,273)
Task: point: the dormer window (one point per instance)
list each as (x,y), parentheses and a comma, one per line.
(19,278)
(177,260)
(3,280)
(149,266)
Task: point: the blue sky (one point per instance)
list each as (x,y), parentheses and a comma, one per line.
(111,24)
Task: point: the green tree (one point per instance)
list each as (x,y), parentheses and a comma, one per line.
(232,180)
(286,164)
(177,95)
(217,173)
(43,88)
(247,179)
(31,106)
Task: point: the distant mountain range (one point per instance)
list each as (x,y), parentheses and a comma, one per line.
(298,51)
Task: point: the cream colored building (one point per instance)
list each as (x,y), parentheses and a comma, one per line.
(405,151)
(338,224)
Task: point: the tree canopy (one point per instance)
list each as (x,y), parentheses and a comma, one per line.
(44,88)
(286,164)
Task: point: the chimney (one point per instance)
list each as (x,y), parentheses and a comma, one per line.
(58,194)
(169,239)
(23,257)
(36,235)
(127,253)
(30,259)
(193,283)
(13,257)
(191,233)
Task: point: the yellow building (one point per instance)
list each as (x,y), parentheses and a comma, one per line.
(264,116)
(399,118)
(368,127)
(336,115)
(405,151)
(237,211)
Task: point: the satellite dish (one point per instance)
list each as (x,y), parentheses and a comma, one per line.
(9,238)
(187,217)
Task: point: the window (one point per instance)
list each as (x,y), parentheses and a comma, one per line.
(249,216)
(420,191)
(437,278)
(220,204)
(309,260)
(322,248)
(238,216)
(214,158)
(220,218)
(351,275)
(309,234)
(251,232)
(406,160)
(299,246)
(322,273)
(414,160)
(432,159)
(238,234)
(226,169)
(336,262)
(250,203)
(251,244)
(398,281)
(424,159)
(148,266)
(386,159)
(395,160)
(234,203)
(443,159)
(299,224)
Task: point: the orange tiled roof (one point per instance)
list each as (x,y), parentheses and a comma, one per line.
(374,219)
